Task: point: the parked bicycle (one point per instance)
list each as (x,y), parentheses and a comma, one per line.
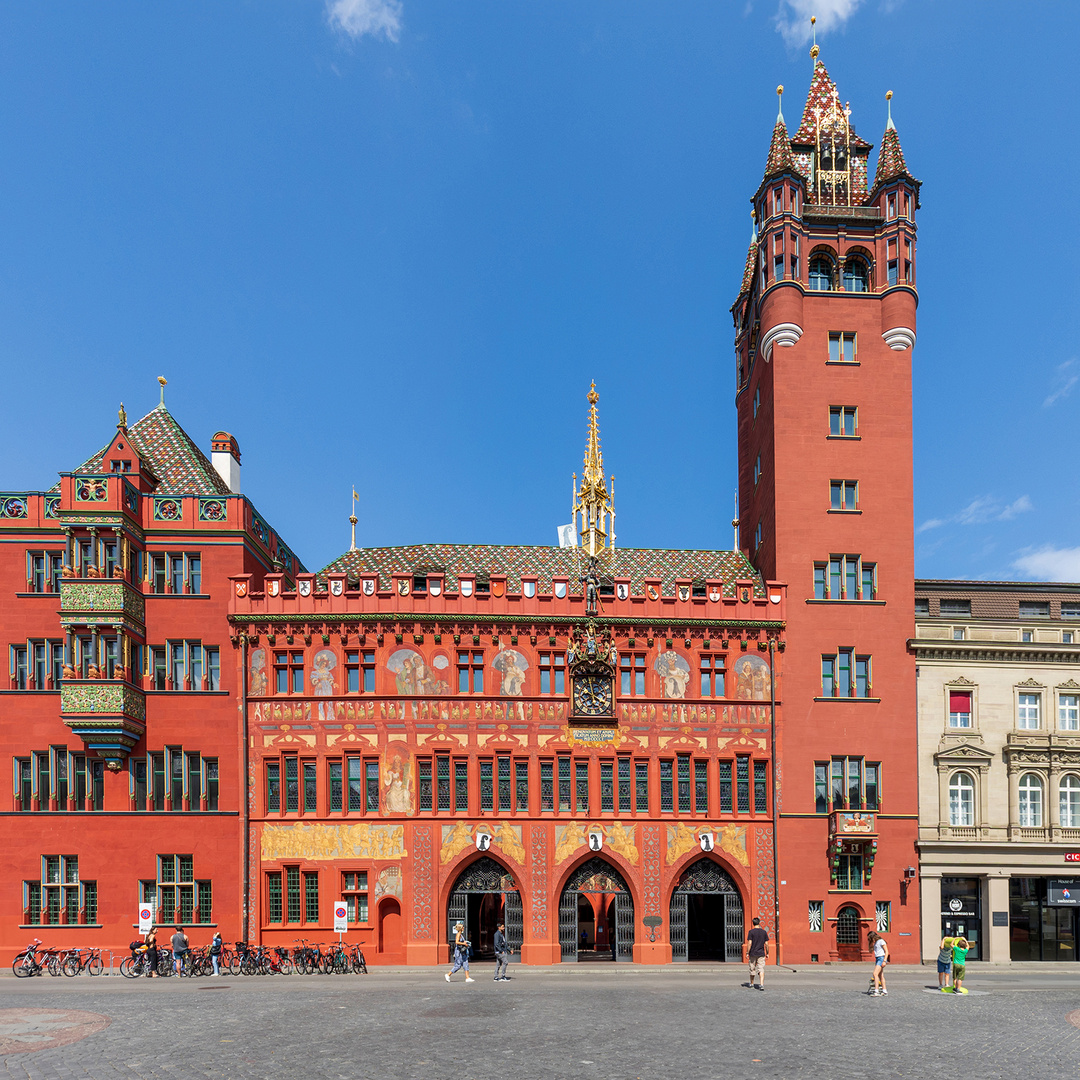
(79,960)
(28,962)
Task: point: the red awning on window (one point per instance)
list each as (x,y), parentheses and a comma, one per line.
(960,701)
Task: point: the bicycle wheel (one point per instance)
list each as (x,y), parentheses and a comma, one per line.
(71,966)
(286,966)
(234,966)
(96,965)
(341,964)
(129,968)
(23,966)
(359,964)
(55,964)
(248,965)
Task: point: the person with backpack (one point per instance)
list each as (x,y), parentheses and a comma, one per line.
(215,953)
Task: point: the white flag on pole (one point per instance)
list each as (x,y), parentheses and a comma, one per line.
(566,536)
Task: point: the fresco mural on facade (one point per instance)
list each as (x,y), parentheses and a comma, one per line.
(413,676)
(322,673)
(456,838)
(389,883)
(618,837)
(324,842)
(674,671)
(397,781)
(753,679)
(730,839)
(511,666)
(257,682)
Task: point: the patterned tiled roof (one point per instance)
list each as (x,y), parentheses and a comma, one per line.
(890,160)
(748,272)
(822,92)
(179,465)
(547,563)
(780,159)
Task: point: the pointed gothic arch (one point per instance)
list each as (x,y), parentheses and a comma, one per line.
(720,920)
(597,876)
(474,887)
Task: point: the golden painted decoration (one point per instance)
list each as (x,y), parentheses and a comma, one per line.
(318,843)
(730,839)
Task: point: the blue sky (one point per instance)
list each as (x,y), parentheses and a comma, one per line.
(390,244)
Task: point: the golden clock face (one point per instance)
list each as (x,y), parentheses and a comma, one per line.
(592,695)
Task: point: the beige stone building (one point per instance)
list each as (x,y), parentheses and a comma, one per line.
(999,766)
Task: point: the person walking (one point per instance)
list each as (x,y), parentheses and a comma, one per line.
(502,954)
(180,946)
(461,952)
(881,958)
(757,953)
(152,952)
(944,964)
(959,961)
(215,953)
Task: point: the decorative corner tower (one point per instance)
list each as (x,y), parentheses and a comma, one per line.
(824,327)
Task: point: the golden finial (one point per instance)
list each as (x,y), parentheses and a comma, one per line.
(164,382)
(814,50)
(123,417)
(592,397)
(780,104)
(888,105)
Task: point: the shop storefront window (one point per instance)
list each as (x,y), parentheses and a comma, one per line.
(961,912)
(1043,918)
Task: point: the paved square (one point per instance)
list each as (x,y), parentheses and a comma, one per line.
(588,1020)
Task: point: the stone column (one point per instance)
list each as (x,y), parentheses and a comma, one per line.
(1053,800)
(930,887)
(943,800)
(1014,797)
(996,938)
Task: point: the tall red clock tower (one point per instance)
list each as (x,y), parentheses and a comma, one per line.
(825,326)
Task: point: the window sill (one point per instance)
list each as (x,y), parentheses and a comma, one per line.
(869,700)
(855,603)
(192,693)
(842,363)
(831,511)
(57,691)
(187,926)
(23,595)
(847,892)
(843,438)
(62,926)
(173,595)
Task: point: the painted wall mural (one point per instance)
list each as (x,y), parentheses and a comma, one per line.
(572,837)
(456,838)
(322,672)
(388,882)
(397,781)
(674,671)
(511,666)
(414,676)
(258,685)
(753,679)
(324,842)
(730,839)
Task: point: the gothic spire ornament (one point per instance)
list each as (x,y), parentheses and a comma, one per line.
(593,509)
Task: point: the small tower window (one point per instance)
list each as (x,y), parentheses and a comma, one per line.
(821,277)
(757,401)
(778,200)
(892,207)
(856,275)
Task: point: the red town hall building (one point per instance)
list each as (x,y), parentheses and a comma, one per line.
(118,719)
(624,753)
(825,324)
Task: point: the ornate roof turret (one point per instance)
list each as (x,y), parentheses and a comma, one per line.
(593,512)
(780,159)
(751,266)
(890,163)
(826,148)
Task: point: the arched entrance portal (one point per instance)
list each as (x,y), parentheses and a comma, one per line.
(484,895)
(608,901)
(391,944)
(706,915)
(847,934)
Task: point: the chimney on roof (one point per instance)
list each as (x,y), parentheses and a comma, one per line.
(225,454)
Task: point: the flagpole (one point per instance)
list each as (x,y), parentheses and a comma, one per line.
(352,520)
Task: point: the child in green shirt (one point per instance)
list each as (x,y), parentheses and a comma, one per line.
(959,959)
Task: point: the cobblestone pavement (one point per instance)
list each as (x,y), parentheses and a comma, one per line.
(589,1020)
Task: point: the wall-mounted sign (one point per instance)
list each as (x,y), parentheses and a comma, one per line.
(1072,856)
(1063,892)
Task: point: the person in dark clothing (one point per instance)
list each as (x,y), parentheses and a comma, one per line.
(152,952)
(179,949)
(502,954)
(757,953)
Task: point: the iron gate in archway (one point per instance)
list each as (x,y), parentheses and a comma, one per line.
(596,876)
(477,880)
(705,877)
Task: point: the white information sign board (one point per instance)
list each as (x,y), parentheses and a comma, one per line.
(341,917)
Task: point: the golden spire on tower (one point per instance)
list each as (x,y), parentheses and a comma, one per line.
(593,509)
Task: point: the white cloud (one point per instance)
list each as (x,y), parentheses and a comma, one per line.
(1051,564)
(1065,378)
(981,511)
(359,17)
(793,17)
